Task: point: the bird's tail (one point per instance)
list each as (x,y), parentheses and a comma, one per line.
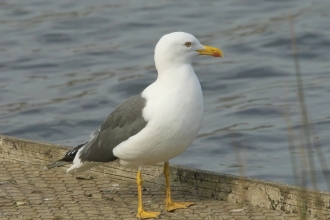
(67,158)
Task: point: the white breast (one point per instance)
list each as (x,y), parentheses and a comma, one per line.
(174,111)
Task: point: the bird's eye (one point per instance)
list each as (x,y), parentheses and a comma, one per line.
(188,44)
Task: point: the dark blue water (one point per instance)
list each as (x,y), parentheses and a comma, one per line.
(65,65)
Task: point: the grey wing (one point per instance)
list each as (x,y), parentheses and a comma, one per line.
(125,121)
(94,133)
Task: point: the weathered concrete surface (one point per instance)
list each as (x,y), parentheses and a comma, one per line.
(27,192)
(109,192)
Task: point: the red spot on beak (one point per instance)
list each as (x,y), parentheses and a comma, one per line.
(216,54)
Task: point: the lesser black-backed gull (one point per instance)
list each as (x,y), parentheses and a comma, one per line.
(156,125)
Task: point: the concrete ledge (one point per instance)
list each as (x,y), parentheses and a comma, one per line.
(266,194)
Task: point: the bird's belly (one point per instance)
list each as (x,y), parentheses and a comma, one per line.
(153,149)
(165,137)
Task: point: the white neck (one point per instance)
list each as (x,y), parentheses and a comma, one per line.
(166,61)
(175,82)
(177,74)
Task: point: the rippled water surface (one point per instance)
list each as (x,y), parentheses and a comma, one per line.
(65,65)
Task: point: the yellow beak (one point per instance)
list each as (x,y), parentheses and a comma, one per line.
(210,51)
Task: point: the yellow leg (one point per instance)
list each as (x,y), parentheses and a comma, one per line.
(170,205)
(141,213)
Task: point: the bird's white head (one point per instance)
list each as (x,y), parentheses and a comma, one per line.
(179,48)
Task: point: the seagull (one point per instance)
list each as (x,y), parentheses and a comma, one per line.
(154,126)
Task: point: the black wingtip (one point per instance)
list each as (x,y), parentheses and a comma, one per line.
(56,164)
(67,158)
